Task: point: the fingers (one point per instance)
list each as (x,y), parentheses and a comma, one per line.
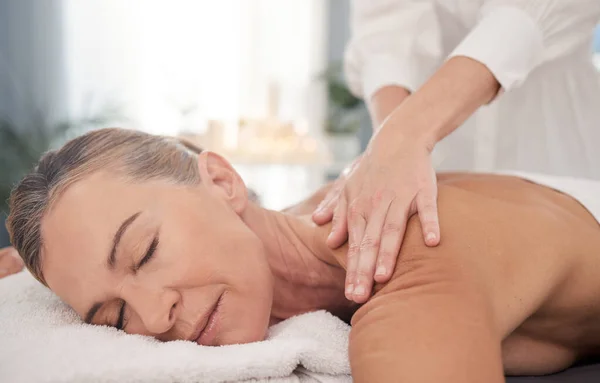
(357,224)
(369,248)
(10,262)
(392,234)
(428,214)
(339,227)
(324,212)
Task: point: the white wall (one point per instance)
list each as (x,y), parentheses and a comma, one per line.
(158,57)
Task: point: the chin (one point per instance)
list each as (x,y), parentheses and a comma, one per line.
(258,336)
(245,329)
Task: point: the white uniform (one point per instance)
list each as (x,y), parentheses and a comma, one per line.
(547,117)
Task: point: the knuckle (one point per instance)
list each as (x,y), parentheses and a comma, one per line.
(365,273)
(369,243)
(392,228)
(378,197)
(353,249)
(429,219)
(355,210)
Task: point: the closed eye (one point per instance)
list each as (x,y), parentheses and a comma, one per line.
(120,325)
(149,253)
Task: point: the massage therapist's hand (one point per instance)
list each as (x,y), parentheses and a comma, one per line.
(395,179)
(324,212)
(387,186)
(10,262)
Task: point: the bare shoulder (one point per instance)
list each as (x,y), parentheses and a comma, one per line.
(503,236)
(495,218)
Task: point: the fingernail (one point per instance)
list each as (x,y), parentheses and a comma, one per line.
(380,270)
(330,236)
(430,237)
(349,289)
(359,290)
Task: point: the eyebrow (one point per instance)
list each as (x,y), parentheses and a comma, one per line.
(112,259)
(112,256)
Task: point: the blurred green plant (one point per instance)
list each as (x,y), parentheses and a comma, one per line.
(23,143)
(344,109)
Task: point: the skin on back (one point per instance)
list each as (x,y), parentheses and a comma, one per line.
(565,326)
(511,288)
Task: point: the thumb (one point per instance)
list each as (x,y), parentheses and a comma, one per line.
(339,227)
(324,212)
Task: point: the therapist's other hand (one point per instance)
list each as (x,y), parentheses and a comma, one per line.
(10,262)
(393,180)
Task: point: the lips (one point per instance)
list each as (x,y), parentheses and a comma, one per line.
(206,328)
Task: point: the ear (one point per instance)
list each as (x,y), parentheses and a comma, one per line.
(217,174)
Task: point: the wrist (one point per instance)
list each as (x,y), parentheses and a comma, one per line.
(408,126)
(389,141)
(384,102)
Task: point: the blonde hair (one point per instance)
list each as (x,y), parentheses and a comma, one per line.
(137,155)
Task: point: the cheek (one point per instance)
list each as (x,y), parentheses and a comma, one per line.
(224,251)
(212,244)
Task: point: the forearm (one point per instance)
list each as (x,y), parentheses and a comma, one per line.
(444,102)
(426,332)
(383,103)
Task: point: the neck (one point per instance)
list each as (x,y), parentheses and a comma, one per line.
(307,275)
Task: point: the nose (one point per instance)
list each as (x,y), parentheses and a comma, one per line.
(156,306)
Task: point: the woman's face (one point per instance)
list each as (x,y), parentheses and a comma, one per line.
(152,258)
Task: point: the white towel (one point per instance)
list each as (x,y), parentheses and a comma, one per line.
(43,340)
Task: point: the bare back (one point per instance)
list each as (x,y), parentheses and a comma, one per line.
(540,222)
(536,248)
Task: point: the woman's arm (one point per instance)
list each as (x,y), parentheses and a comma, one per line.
(10,262)
(383,103)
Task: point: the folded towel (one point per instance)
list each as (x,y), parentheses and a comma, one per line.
(43,340)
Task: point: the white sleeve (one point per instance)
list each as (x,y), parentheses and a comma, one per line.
(393,42)
(513,37)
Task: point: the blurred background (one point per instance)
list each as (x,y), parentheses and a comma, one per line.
(258,81)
